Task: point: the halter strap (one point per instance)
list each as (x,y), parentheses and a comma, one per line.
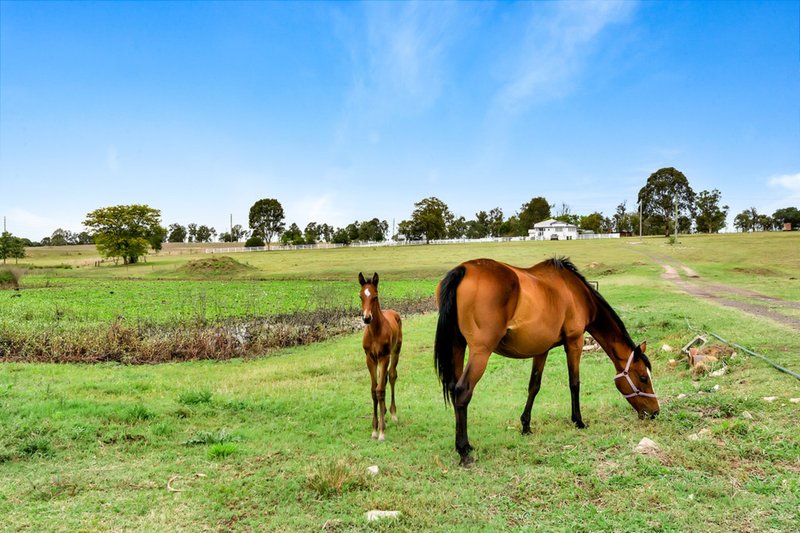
(624,374)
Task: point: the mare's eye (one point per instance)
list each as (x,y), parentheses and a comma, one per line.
(643,379)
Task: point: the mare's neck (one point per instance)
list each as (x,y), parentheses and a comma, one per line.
(610,337)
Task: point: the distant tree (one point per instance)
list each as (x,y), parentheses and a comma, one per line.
(512,227)
(457,228)
(536,210)
(763,223)
(191,230)
(84,238)
(266,219)
(237,234)
(480,227)
(293,235)
(659,195)
(45,241)
(311,233)
(352,231)
(622,220)
(124,230)
(564,214)
(373,230)
(176,233)
(157,238)
(710,217)
(787,215)
(62,237)
(254,242)
(429,220)
(341,236)
(593,222)
(204,233)
(11,247)
(326,232)
(495,220)
(746,220)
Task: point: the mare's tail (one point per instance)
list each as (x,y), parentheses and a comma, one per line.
(447,332)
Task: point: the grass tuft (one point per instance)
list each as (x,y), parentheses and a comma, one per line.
(195,397)
(333,478)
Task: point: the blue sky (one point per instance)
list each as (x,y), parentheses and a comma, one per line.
(349,111)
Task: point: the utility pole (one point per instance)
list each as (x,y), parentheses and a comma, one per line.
(640,218)
(676,216)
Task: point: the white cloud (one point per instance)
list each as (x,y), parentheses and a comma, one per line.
(788,181)
(558,40)
(325,208)
(34,226)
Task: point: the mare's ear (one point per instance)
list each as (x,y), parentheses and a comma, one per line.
(361,279)
(375,279)
(643,347)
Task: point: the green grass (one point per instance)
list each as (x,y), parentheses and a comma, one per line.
(283,442)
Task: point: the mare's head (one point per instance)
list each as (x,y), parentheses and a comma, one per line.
(635,382)
(369,296)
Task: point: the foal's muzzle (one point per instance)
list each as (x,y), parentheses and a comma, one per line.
(366,318)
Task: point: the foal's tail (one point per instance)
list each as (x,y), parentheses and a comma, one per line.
(447,332)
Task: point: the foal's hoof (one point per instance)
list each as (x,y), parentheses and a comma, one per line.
(374,435)
(381,437)
(394,418)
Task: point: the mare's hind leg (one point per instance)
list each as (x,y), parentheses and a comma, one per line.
(463,394)
(574,349)
(393,378)
(533,389)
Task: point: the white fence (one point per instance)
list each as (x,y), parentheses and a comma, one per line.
(369,244)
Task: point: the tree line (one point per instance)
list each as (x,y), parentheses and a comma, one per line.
(666,199)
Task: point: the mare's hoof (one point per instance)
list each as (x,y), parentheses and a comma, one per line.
(526,430)
(466,461)
(579,424)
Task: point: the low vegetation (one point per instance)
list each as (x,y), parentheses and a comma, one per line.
(283,442)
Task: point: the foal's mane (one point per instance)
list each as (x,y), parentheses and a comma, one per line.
(566,264)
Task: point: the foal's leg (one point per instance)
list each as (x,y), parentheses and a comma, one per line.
(574,349)
(372,371)
(395,356)
(380,392)
(533,389)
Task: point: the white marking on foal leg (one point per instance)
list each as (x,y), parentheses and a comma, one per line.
(381,437)
(374,434)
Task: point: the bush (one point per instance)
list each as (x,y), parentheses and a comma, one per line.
(254,241)
(9,278)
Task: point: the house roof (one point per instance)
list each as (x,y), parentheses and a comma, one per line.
(552,223)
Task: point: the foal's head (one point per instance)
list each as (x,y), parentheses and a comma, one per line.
(635,382)
(369,296)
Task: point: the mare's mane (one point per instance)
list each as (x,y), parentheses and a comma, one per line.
(566,264)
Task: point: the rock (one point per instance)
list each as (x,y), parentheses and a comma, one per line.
(747,415)
(693,436)
(716,388)
(769,398)
(794,400)
(380,515)
(666,348)
(719,373)
(680,396)
(373,470)
(672,363)
(646,447)
(705,432)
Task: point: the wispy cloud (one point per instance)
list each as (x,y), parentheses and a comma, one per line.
(790,182)
(558,39)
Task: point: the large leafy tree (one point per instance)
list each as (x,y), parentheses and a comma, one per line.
(536,210)
(658,197)
(373,230)
(787,215)
(710,217)
(176,233)
(125,231)
(480,227)
(267,219)
(11,247)
(204,233)
(429,220)
(293,235)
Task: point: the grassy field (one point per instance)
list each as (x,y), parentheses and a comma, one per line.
(282,442)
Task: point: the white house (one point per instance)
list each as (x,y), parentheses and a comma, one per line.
(553,230)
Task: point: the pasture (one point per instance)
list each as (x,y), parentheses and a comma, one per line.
(281,440)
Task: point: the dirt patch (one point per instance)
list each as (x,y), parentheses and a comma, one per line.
(215,266)
(756,271)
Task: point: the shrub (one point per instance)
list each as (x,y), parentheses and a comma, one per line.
(254,241)
(9,278)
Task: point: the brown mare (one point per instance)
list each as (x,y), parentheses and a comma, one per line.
(488,306)
(383,338)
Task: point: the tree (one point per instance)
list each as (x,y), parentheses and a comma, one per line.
(311,233)
(192,231)
(622,220)
(593,222)
(372,230)
(341,236)
(293,235)
(326,232)
(204,233)
(536,210)
(62,237)
(84,238)
(266,219)
(787,215)
(430,219)
(710,217)
(254,242)
(11,247)
(480,227)
(157,238)
(746,220)
(177,233)
(495,220)
(124,230)
(659,195)
(457,228)
(236,234)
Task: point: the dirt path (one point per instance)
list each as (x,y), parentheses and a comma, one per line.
(757,304)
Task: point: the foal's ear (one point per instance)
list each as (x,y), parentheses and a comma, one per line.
(375,279)
(361,279)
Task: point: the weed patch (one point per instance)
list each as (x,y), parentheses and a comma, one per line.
(333,478)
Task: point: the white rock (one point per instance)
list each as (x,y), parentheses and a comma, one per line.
(794,400)
(646,446)
(719,373)
(373,470)
(716,387)
(747,415)
(380,515)
(769,398)
(693,436)
(680,396)
(666,348)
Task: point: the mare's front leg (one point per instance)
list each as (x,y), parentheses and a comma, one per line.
(372,369)
(574,349)
(534,385)
(380,393)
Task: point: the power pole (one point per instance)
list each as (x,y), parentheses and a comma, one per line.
(640,218)
(676,216)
